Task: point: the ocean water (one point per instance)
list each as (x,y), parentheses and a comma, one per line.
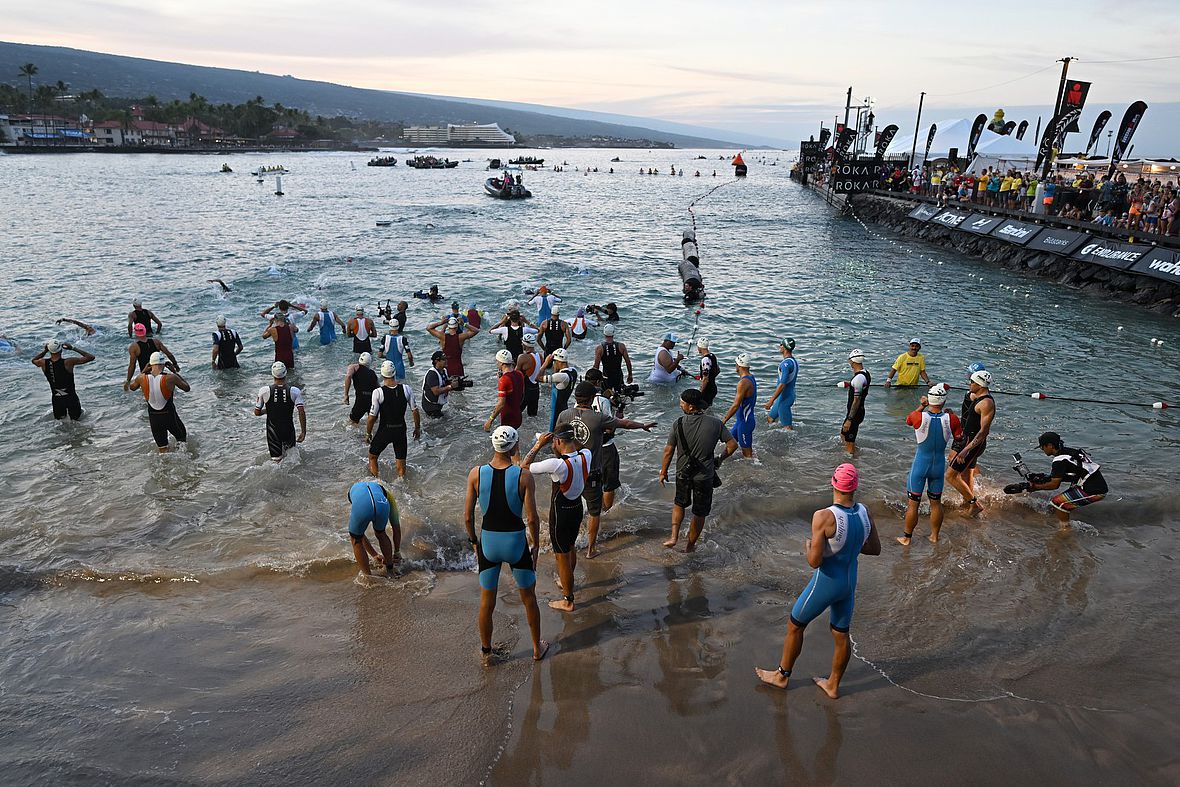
(137,590)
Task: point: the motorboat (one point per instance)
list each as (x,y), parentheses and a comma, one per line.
(382,161)
(431,162)
(504,188)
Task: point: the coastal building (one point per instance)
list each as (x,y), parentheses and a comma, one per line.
(468,135)
(113,133)
(42,130)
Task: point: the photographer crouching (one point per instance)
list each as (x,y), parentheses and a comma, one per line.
(1073,466)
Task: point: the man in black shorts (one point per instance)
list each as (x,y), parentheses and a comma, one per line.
(977,425)
(436,386)
(59,371)
(858,391)
(693,437)
(389,403)
(364,380)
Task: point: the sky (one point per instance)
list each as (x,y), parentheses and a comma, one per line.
(771,67)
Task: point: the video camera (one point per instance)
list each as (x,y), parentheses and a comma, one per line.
(385,311)
(1029,478)
(459,382)
(624,395)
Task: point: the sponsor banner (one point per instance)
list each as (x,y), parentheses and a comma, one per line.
(824,135)
(1057,241)
(844,141)
(1023,127)
(980,224)
(886,137)
(1099,124)
(930,140)
(1110,253)
(1073,98)
(925,212)
(811,153)
(851,177)
(1018,232)
(976,133)
(950,217)
(1160,263)
(1122,140)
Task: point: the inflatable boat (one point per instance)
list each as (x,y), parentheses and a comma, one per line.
(497,188)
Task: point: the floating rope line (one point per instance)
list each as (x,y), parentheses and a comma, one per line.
(702,196)
(1038,396)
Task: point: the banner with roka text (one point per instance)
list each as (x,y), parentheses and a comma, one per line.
(851,177)
(887,135)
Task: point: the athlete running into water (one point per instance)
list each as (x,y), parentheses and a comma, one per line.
(710,369)
(327,320)
(365,380)
(979,411)
(934,430)
(141,350)
(610,357)
(389,405)
(361,329)
(396,348)
(284,337)
(59,371)
(141,316)
(279,402)
(840,534)
(158,386)
(783,398)
(506,497)
(227,344)
(743,406)
(452,342)
(373,504)
(509,393)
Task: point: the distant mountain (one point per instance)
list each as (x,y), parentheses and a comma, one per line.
(116,75)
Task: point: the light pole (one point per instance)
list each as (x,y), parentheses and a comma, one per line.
(917,124)
(1109,135)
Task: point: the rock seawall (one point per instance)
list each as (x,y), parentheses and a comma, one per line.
(1154,294)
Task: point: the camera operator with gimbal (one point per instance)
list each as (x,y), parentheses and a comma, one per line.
(1070,465)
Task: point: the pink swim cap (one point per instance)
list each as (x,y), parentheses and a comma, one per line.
(845,479)
(140,329)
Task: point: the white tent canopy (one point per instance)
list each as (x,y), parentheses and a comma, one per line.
(993,149)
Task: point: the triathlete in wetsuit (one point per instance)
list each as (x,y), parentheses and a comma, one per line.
(529,364)
(977,424)
(365,380)
(373,504)
(563,379)
(709,371)
(283,335)
(141,316)
(59,371)
(389,403)
(934,429)
(226,346)
(610,357)
(158,386)
(361,329)
(742,409)
(858,391)
(555,332)
(279,402)
(568,472)
(509,393)
(505,496)
(783,398)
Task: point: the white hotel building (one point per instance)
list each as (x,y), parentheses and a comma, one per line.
(488,135)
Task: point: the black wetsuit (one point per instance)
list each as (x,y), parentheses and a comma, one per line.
(512,342)
(61,386)
(280,420)
(391,426)
(710,389)
(228,343)
(365,381)
(143,317)
(965,460)
(855,417)
(146,348)
(554,335)
(612,365)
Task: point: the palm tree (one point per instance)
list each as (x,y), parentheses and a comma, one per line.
(29,70)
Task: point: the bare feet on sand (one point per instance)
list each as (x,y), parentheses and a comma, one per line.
(562,605)
(933,538)
(904,540)
(772,677)
(691,546)
(591,552)
(831,691)
(540,651)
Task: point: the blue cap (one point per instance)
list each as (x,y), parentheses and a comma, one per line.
(671,337)
(976,367)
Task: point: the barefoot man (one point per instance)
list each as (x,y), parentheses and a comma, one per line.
(977,425)
(934,429)
(373,504)
(507,498)
(568,471)
(693,437)
(840,534)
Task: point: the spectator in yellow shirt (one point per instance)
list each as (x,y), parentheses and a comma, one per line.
(909,367)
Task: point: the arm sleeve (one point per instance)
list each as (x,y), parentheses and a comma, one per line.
(503,387)
(263,396)
(375,407)
(859,383)
(792,372)
(554,467)
(502,331)
(411,403)
(914,419)
(297,397)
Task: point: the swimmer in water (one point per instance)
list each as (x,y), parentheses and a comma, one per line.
(279,402)
(140,352)
(141,316)
(59,371)
(87,329)
(934,429)
(431,295)
(840,534)
(507,502)
(744,400)
(373,504)
(159,385)
(224,287)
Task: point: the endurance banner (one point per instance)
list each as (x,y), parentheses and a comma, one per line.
(980,224)
(887,135)
(1018,232)
(925,212)
(1099,124)
(1057,241)
(1122,140)
(1110,253)
(976,133)
(950,217)
(1159,263)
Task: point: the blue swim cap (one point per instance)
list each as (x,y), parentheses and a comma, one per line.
(976,367)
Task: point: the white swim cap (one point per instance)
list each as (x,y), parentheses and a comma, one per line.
(394,325)
(556,309)
(857,355)
(388,371)
(53,345)
(609,330)
(137,302)
(157,359)
(221,321)
(742,360)
(360,309)
(982,377)
(365,359)
(503,356)
(278,370)
(560,355)
(528,338)
(936,394)
(452,323)
(323,304)
(504,438)
(703,343)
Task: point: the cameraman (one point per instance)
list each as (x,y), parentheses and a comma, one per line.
(436,385)
(1075,467)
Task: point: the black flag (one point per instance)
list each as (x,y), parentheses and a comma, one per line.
(1052,137)
(1045,150)
(1122,140)
(1073,98)
(824,135)
(1023,127)
(1099,124)
(1007,130)
(929,141)
(887,135)
(844,141)
(976,132)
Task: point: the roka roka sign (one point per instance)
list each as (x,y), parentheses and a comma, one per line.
(851,177)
